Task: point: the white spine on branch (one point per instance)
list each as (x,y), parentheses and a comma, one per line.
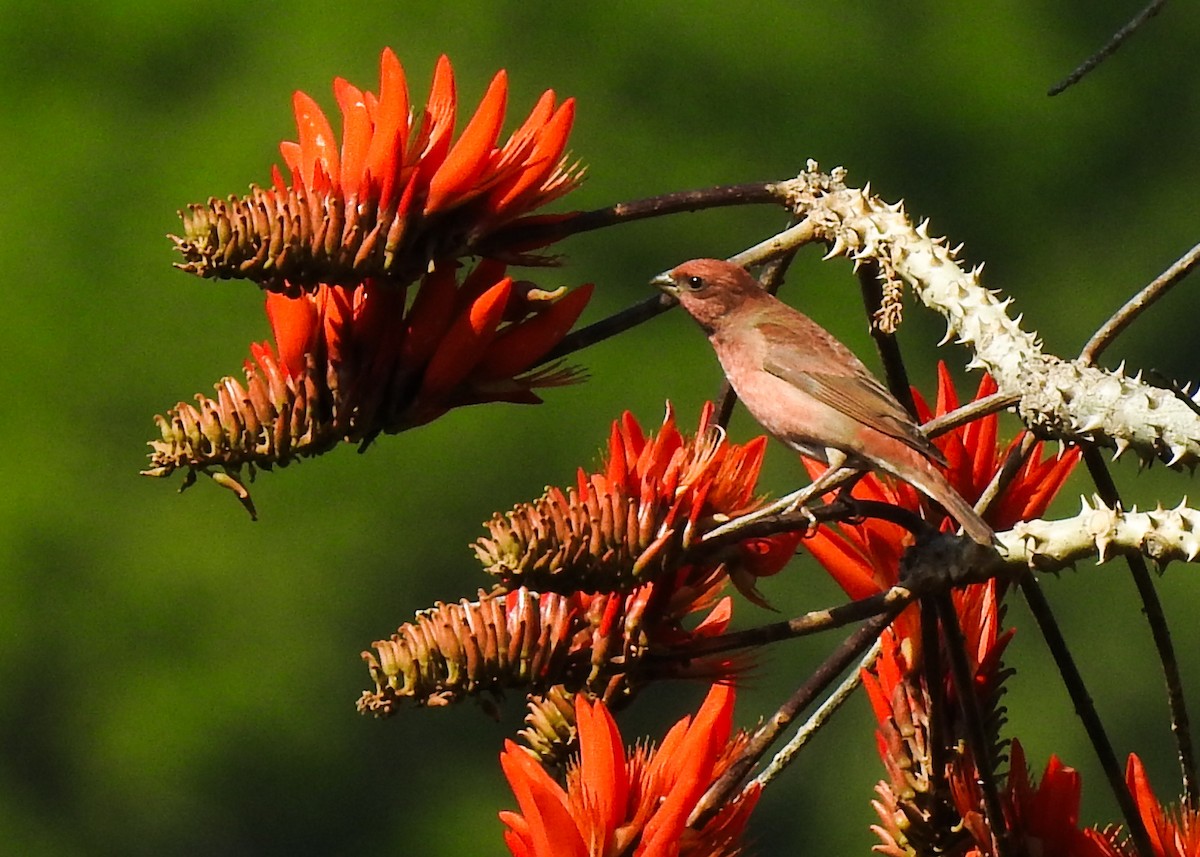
(1059,398)
(1162,535)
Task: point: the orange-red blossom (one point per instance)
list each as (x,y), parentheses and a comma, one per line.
(617,803)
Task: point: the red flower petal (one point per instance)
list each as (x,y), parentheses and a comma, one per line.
(465,341)
(430,316)
(356,134)
(318,146)
(294,326)
(390,137)
(466,162)
(519,346)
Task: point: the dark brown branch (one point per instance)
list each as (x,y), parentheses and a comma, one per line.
(845,654)
(1160,631)
(611,326)
(1109,49)
(1007,472)
(1158,379)
(931,673)
(1138,304)
(885,342)
(888,602)
(1085,708)
(539,231)
(844,508)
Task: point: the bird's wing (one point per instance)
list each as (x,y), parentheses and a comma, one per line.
(857,394)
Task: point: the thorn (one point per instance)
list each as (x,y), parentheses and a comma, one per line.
(1122,444)
(1092,423)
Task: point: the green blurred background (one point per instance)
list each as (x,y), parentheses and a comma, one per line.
(175,679)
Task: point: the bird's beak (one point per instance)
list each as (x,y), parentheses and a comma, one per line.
(666,284)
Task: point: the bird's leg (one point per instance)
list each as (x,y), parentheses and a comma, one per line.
(828,480)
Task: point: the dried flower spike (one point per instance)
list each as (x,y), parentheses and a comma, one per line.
(399,193)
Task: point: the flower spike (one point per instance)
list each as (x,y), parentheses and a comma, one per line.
(396,195)
(351,364)
(640,517)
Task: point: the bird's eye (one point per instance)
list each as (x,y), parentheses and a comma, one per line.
(695,283)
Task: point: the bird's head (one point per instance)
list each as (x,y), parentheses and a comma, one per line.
(709,289)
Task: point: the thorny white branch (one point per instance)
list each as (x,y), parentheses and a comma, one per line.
(1059,398)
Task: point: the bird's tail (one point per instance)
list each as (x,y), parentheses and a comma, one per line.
(930,482)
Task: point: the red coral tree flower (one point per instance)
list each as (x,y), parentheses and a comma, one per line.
(397,194)
(337,250)
(637,518)
(1174,831)
(638,803)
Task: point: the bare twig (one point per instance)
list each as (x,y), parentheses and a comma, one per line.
(1138,304)
(819,718)
(842,657)
(1086,709)
(885,340)
(931,670)
(885,603)
(969,412)
(540,231)
(611,326)
(1007,472)
(1109,49)
(1159,630)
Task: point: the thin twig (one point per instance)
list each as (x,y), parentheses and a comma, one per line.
(1085,708)
(814,723)
(787,241)
(1109,49)
(889,602)
(842,657)
(540,231)
(1159,630)
(1007,472)
(1138,304)
(969,412)
(1180,390)
(885,342)
(977,739)
(607,327)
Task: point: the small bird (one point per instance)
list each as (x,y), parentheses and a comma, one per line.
(807,388)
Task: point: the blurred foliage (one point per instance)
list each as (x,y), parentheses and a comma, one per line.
(177,680)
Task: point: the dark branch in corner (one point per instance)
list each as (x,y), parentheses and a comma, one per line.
(1109,49)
